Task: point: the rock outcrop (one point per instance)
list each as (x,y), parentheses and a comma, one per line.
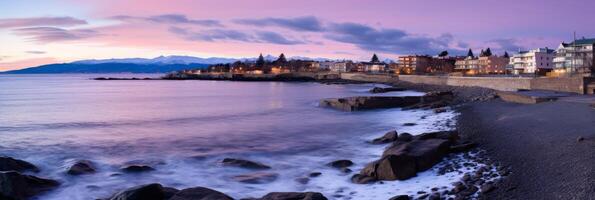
(430,100)
(244,164)
(17,186)
(156,191)
(340,163)
(11,164)
(388,137)
(200,193)
(293,196)
(404,159)
(153,191)
(386,89)
(81,167)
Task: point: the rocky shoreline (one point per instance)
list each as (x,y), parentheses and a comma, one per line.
(405,156)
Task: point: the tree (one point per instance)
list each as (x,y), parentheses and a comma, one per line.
(443,54)
(470,53)
(281,59)
(375,59)
(260,61)
(488,52)
(506,54)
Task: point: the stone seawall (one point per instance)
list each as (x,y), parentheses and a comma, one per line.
(377,78)
(574,84)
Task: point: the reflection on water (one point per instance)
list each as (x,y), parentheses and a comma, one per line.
(183,128)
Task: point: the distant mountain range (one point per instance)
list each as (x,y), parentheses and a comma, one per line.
(161,64)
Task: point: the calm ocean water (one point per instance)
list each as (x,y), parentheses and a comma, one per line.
(184,128)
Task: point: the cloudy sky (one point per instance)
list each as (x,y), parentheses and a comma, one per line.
(34,32)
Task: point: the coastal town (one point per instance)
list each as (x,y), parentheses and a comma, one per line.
(568,59)
(541,68)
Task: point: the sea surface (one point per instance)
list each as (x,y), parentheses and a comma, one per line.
(185,128)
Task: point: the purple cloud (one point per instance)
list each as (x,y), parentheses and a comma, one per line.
(506,44)
(171,19)
(389,40)
(53,34)
(233,35)
(307,23)
(40,21)
(275,38)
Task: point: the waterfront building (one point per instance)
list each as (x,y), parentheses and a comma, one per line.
(532,61)
(411,64)
(374,66)
(343,66)
(482,65)
(575,57)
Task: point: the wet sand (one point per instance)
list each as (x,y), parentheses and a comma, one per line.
(540,143)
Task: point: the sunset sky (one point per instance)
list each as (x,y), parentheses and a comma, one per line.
(34,32)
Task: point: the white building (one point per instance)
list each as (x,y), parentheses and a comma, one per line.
(338,67)
(532,61)
(576,56)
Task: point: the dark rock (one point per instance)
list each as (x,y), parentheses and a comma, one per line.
(294,196)
(153,191)
(11,164)
(14,185)
(136,168)
(315,174)
(434,196)
(362,179)
(200,193)
(388,137)
(384,90)
(403,160)
(81,167)
(391,167)
(244,163)
(346,170)
(400,197)
(580,139)
(409,124)
(256,178)
(169,192)
(451,136)
(439,110)
(469,191)
(424,196)
(485,188)
(405,137)
(340,163)
(303,180)
(370,102)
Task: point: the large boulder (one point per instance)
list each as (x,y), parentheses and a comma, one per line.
(153,191)
(17,186)
(11,164)
(388,137)
(244,163)
(369,102)
(425,153)
(430,100)
(81,167)
(199,193)
(391,167)
(293,196)
(405,157)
